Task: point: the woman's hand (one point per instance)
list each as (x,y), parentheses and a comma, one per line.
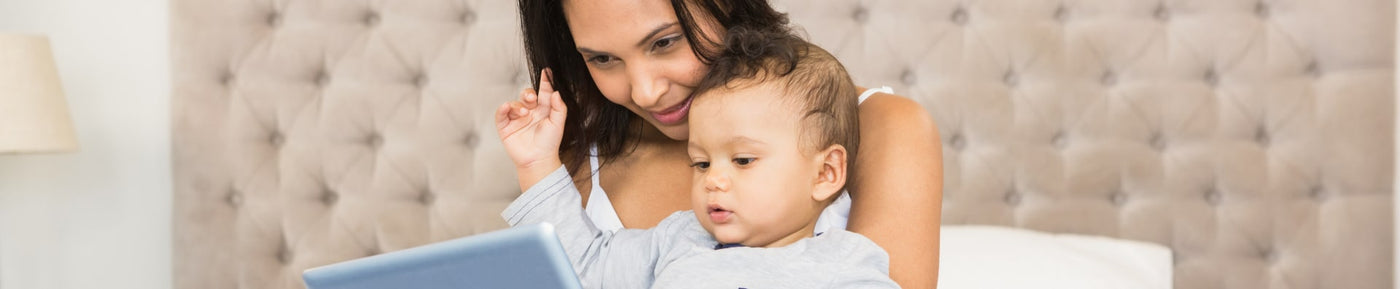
(531,129)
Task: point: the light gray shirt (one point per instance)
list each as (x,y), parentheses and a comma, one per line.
(679,253)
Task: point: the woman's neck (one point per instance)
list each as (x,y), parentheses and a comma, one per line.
(649,144)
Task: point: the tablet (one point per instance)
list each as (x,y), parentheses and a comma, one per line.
(520,257)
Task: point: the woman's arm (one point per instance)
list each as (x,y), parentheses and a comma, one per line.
(897,187)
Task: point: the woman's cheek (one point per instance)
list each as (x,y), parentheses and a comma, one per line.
(613,87)
(688,72)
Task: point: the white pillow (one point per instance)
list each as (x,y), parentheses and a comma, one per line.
(978,257)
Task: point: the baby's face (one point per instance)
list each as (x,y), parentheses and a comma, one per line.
(753,182)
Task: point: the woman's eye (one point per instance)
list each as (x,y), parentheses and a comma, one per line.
(743,161)
(665,42)
(700,165)
(601,59)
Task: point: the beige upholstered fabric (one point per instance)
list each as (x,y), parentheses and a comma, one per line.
(1254,138)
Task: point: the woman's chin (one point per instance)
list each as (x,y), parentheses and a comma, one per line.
(678,131)
(681,133)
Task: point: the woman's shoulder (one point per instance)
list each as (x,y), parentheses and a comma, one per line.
(885,111)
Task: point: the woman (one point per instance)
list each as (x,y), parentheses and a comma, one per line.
(626,68)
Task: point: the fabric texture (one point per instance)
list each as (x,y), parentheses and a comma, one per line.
(679,253)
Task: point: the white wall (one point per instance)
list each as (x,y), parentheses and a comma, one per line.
(98,218)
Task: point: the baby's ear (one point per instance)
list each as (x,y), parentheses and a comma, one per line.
(832,175)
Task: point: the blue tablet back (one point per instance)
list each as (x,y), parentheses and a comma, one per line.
(520,257)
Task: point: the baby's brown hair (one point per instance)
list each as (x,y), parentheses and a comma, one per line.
(807,75)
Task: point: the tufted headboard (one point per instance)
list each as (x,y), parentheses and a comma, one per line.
(1253,137)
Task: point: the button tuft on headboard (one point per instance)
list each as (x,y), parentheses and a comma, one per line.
(1158,142)
(227,78)
(1109,78)
(1062,13)
(860,15)
(1313,69)
(234,198)
(321,78)
(1161,12)
(956,141)
(329,197)
(1318,193)
(374,141)
(468,17)
(959,16)
(427,197)
(273,19)
(284,254)
(276,139)
(1213,197)
(908,76)
(1211,77)
(471,139)
(1012,198)
(1118,198)
(1011,78)
(420,80)
(371,18)
(1269,255)
(1261,136)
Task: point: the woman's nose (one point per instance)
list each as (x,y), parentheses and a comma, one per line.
(647,86)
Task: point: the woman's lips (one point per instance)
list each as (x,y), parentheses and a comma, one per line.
(673,115)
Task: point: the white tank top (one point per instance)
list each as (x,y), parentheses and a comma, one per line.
(600,209)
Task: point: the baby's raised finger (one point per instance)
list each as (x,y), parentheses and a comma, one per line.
(528,98)
(546,87)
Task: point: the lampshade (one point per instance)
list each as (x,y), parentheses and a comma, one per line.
(33,113)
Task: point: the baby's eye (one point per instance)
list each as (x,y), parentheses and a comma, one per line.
(700,165)
(743,161)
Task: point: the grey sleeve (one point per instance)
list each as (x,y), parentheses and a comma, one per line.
(866,266)
(863,277)
(622,259)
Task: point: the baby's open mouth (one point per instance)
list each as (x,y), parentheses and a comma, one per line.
(719,215)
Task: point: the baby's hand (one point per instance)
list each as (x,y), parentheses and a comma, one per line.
(531,129)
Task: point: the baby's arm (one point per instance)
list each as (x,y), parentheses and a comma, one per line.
(866,264)
(857,277)
(624,259)
(531,129)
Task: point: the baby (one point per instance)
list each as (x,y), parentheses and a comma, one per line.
(772,131)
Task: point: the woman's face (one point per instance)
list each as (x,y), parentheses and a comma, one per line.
(639,58)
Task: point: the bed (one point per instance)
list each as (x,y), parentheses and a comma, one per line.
(1253,140)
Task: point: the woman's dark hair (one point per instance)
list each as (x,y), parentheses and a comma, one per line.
(592,119)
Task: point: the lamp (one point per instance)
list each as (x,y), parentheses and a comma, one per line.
(33,113)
